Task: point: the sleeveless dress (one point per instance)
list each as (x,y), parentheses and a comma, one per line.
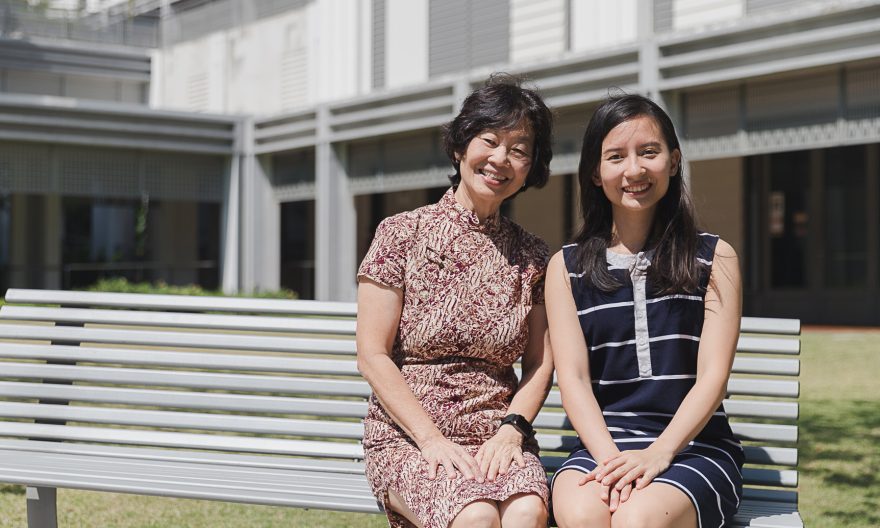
(468,288)
(643,361)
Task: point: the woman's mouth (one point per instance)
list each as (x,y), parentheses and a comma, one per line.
(637,189)
(492,178)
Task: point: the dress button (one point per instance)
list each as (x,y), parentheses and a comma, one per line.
(641,341)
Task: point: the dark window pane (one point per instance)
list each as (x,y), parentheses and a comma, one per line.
(846,251)
(788,219)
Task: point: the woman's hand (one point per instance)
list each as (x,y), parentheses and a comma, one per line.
(500,451)
(635,468)
(440,451)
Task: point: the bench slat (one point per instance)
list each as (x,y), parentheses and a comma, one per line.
(770,325)
(170,455)
(250,323)
(72,334)
(192,380)
(248,403)
(146,357)
(764,365)
(769,345)
(241,444)
(180,303)
(184,420)
(325,497)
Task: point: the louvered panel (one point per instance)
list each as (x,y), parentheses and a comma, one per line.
(379,39)
(448,37)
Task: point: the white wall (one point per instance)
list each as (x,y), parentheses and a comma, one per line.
(687,14)
(406,42)
(599,24)
(298,58)
(537,29)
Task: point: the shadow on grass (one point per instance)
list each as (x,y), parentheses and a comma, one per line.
(11,489)
(838,449)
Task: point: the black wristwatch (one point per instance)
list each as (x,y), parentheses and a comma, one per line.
(519,423)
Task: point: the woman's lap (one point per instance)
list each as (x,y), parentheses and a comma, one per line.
(436,502)
(705,475)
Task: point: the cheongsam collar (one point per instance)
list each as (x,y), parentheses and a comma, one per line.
(467,218)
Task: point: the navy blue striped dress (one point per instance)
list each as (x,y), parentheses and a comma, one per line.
(643,361)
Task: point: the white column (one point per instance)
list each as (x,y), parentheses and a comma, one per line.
(649,54)
(335,220)
(230,216)
(260,222)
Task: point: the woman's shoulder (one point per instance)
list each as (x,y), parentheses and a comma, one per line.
(710,245)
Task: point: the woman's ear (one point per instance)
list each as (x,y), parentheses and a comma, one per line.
(597,180)
(675,167)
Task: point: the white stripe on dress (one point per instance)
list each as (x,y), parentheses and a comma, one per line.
(604,307)
(711,487)
(676,296)
(654,378)
(689,494)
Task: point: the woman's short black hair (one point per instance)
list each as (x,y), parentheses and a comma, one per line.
(502,104)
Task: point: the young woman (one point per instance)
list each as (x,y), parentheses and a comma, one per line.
(644,315)
(450,296)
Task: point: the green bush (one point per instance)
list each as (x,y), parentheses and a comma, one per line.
(121,285)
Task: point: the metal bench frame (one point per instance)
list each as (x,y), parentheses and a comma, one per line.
(259,401)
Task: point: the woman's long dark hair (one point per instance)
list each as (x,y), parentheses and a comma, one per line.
(673,236)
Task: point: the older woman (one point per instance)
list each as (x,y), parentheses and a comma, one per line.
(450,295)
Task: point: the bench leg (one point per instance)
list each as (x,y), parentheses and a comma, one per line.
(41,511)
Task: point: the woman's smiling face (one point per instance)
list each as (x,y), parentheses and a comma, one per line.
(636,165)
(495,165)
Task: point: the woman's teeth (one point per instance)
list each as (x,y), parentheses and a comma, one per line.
(637,188)
(495,177)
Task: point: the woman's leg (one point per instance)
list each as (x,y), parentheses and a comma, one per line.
(578,506)
(478,514)
(659,505)
(524,510)
(399,506)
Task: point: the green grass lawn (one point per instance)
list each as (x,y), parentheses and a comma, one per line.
(839,461)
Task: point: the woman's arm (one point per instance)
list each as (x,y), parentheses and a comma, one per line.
(723,308)
(572,364)
(378,317)
(505,447)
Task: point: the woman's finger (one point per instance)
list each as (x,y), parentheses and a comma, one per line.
(588,477)
(520,459)
(625,493)
(613,499)
(504,466)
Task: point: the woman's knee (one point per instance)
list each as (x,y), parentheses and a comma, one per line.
(635,518)
(578,506)
(524,511)
(478,514)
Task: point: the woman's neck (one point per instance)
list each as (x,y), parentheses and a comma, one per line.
(481,209)
(630,233)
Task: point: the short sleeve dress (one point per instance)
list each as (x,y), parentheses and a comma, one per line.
(468,288)
(643,348)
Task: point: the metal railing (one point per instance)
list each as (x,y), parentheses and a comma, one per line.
(19,20)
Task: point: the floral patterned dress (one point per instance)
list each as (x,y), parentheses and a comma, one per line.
(468,288)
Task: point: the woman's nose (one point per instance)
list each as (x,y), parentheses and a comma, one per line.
(633,168)
(499,154)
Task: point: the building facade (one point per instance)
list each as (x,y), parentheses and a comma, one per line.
(256,144)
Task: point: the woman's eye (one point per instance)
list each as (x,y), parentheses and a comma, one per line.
(519,153)
(489,141)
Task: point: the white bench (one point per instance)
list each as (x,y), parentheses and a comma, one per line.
(185,397)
